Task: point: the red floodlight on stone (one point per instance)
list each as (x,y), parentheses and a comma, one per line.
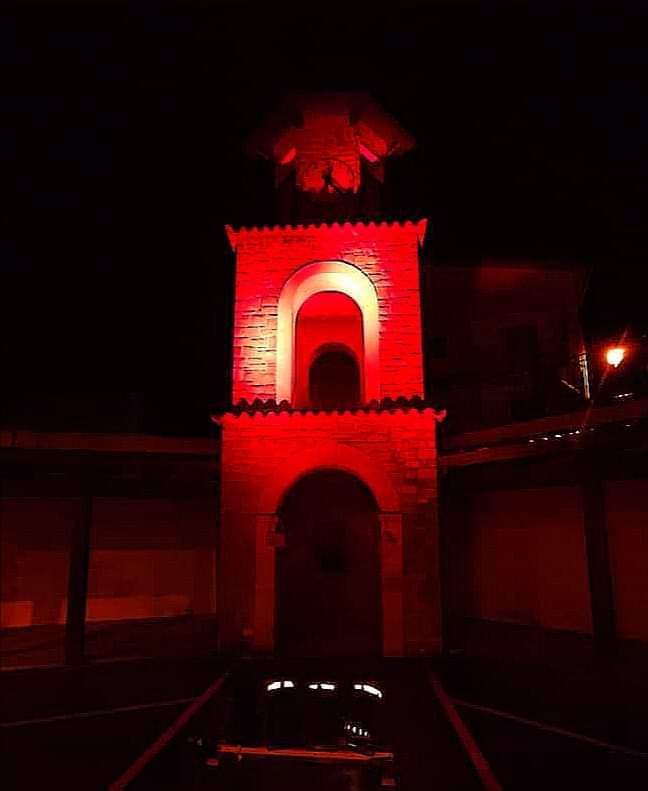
(328,398)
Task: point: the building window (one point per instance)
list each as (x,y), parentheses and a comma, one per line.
(521,347)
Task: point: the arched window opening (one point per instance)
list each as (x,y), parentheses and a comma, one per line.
(334,379)
(329,352)
(313,281)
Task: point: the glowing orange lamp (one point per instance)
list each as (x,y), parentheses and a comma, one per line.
(615,355)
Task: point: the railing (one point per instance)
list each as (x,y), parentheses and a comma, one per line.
(177,758)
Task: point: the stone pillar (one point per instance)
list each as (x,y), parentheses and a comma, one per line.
(391,550)
(598,560)
(264,583)
(77,600)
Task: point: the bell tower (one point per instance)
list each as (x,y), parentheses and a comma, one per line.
(327,396)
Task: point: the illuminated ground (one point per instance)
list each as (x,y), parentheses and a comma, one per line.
(90,751)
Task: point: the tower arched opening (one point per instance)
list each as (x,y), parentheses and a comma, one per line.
(329,352)
(345,299)
(328,571)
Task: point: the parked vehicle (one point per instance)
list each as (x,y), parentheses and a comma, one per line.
(331,727)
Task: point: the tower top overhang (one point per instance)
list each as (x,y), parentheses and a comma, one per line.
(324,137)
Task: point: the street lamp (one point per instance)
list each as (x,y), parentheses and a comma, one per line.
(614,355)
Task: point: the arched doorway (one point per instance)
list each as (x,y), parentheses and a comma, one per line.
(328,572)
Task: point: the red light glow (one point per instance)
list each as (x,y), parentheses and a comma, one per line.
(367,154)
(288,157)
(303,295)
(279,269)
(264,455)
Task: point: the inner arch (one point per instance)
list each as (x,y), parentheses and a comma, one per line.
(329,352)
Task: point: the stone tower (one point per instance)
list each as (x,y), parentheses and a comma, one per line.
(329,536)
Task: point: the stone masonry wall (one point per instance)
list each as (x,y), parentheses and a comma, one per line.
(267,257)
(399,446)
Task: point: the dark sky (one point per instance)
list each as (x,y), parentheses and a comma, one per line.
(122,160)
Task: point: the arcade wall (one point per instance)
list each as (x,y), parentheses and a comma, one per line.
(518,557)
(627,519)
(150,558)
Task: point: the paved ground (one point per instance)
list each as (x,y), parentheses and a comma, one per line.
(411,720)
(528,759)
(51,738)
(90,750)
(87,753)
(279,775)
(602,700)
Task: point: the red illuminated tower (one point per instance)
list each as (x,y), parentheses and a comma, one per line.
(329,538)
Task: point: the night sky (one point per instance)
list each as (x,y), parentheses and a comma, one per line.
(121,154)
